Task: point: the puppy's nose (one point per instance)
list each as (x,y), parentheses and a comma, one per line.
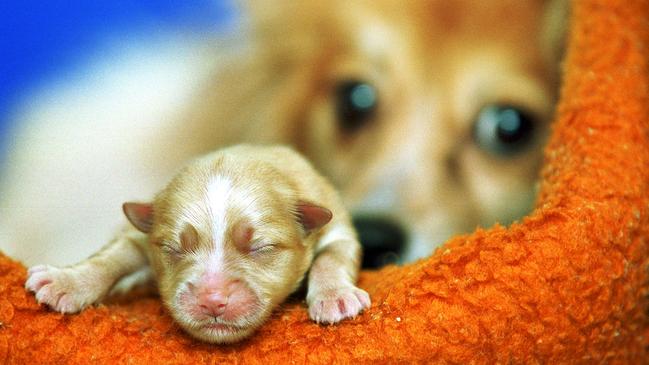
(382,240)
(212,303)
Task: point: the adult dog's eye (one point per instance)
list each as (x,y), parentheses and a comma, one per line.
(356,103)
(503,130)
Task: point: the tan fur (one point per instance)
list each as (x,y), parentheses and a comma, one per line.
(268,184)
(435,64)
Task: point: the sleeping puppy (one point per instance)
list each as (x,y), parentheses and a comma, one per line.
(429,116)
(228,239)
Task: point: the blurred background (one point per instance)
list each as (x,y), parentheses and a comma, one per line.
(100,102)
(45,41)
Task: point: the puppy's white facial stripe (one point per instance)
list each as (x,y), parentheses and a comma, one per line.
(219,190)
(215,260)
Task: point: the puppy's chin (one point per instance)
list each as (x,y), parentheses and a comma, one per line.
(220,333)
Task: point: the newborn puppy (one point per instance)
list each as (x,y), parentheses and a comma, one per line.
(231,236)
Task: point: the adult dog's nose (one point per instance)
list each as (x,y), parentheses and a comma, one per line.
(382,240)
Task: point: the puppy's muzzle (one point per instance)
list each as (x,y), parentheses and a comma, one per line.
(383,240)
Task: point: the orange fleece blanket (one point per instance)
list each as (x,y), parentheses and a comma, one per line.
(568,284)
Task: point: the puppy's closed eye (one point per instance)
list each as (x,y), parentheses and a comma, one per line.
(172,252)
(504,130)
(187,242)
(356,104)
(260,246)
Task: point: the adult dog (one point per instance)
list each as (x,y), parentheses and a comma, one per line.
(428,115)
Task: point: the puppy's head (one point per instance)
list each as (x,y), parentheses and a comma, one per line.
(429,115)
(227,248)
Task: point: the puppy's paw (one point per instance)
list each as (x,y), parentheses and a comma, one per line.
(334,305)
(65,290)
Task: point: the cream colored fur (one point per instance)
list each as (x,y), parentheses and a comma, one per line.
(263,187)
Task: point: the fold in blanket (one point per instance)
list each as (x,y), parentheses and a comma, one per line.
(565,285)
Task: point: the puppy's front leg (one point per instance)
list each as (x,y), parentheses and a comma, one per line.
(71,289)
(332,294)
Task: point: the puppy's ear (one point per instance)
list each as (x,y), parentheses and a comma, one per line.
(312,216)
(140,215)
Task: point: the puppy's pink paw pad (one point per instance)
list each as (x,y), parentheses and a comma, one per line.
(60,289)
(334,305)
(37,278)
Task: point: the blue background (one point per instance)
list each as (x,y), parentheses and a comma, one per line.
(41,38)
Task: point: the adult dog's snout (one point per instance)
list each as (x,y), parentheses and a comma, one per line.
(383,240)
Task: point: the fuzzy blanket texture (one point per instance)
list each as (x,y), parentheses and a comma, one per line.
(568,284)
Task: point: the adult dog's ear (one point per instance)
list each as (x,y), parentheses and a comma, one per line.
(140,215)
(312,216)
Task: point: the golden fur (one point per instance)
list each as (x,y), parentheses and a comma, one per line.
(277,196)
(435,64)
